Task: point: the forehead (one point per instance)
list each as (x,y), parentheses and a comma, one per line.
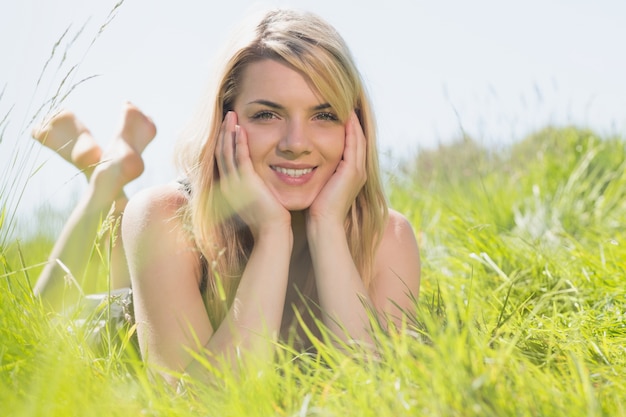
(269,79)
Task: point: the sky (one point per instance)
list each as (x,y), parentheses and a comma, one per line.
(496,70)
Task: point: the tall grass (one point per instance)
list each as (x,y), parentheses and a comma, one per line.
(58,79)
(521,310)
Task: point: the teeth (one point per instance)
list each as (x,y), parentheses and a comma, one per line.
(293,172)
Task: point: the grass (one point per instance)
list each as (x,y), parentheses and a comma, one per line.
(521,312)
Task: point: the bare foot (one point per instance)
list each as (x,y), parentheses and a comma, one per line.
(68,137)
(121,162)
(137,129)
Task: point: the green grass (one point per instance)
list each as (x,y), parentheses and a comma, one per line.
(521,311)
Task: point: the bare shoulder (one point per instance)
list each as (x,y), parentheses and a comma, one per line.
(398,229)
(398,245)
(161,201)
(154,232)
(397,267)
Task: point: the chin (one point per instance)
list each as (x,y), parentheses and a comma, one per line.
(296,206)
(296,200)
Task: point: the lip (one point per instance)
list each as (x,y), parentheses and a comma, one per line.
(300,179)
(291,165)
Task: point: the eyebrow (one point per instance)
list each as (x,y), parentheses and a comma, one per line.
(276,106)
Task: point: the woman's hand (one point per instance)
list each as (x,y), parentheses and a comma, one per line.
(334,200)
(242,187)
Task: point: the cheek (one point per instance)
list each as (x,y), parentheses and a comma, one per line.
(336,156)
(329,142)
(256,152)
(334,147)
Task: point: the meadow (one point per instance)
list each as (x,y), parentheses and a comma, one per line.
(521,310)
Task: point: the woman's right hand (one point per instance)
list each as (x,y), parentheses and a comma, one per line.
(242,187)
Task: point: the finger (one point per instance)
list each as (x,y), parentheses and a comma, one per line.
(361,141)
(219,148)
(228,145)
(242,151)
(350,147)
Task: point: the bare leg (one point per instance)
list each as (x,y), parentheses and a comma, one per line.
(120,164)
(135,134)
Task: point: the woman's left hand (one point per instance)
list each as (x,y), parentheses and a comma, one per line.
(335,199)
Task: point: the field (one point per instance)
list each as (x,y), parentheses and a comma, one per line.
(521,310)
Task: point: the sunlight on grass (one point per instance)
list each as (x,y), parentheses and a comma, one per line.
(521,312)
(522,309)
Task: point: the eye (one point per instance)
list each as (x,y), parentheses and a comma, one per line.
(263,115)
(327,116)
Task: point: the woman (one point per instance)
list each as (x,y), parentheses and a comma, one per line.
(281,210)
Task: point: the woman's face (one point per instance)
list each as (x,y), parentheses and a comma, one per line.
(295,138)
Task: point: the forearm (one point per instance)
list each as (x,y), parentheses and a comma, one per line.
(254,319)
(342,295)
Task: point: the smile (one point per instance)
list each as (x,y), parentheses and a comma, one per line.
(295,173)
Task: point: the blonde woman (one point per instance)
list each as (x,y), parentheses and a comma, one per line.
(281,211)
(283,203)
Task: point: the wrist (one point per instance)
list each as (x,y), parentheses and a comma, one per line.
(324,229)
(274,234)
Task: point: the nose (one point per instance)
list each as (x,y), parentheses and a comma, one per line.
(295,139)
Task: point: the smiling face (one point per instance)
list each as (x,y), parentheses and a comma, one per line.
(295,138)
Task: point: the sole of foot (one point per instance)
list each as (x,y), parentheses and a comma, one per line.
(68,137)
(123,156)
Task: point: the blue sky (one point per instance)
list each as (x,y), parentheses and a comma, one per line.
(498,69)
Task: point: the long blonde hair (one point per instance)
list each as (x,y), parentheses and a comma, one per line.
(312,47)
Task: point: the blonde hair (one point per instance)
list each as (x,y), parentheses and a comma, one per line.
(312,47)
